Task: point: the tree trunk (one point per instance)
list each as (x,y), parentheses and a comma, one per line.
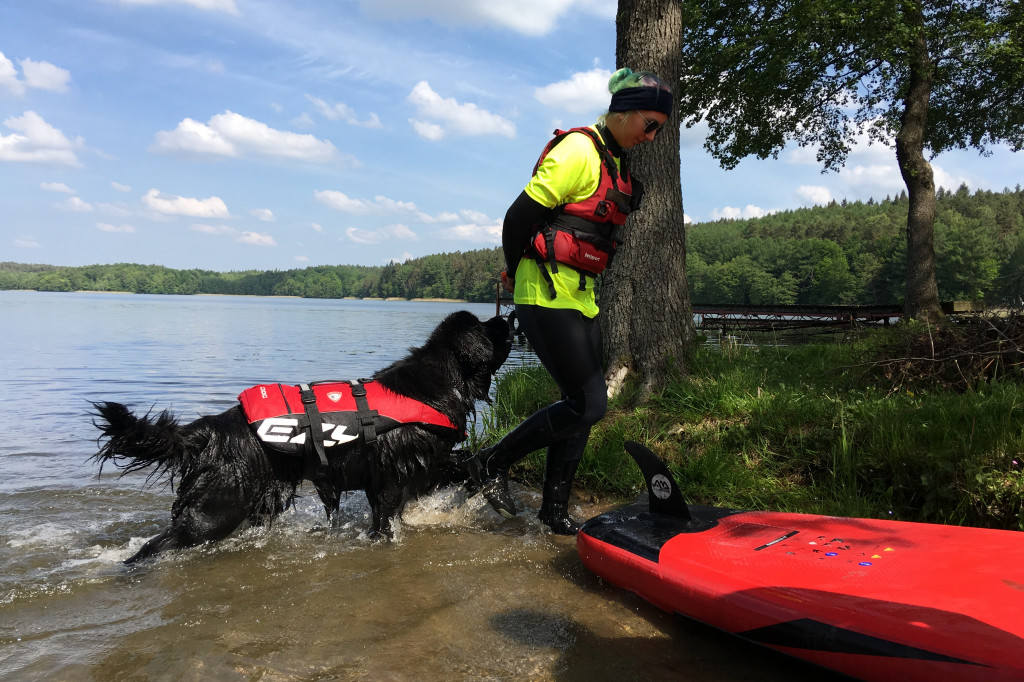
(922,295)
(647,319)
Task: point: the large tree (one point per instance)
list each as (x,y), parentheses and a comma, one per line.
(647,319)
(924,76)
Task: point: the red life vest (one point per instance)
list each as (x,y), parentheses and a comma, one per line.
(335,414)
(584,235)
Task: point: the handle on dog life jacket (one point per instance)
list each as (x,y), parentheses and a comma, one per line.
(316,428)
(363,412)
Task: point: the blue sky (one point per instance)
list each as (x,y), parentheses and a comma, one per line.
(278,134)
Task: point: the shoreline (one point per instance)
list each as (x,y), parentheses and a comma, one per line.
(343,298)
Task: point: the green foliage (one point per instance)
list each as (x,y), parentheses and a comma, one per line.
(841,254)
(471,276)
(819,72)
(855,253)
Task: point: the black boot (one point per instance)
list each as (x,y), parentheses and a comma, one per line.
(534,433)
(563,460)
(555,515)
(494,484)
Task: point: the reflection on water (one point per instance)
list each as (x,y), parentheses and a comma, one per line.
(460,594)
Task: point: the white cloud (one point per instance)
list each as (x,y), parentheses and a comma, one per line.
(527,17)
(107,227)
(212,229)
(9,77)
(443,217)
(452,118)
(227,6)
(38,75)
(399,259)
(36,141)
(77,205)
(380,204)
(233,135)
(304,121)
(393,205)
(119,210)
(583,93)
(343,112)
(317,227)
(26,243)
(428,131)
(814,194)
(803,156)
(341,202)
(949,181)
(169,204)
(56,187)
(119,187)
(872,180)
(301,259)
(384,234)
(473,232)
(45,76)
(731,213)
(263,214)
(475,226)
(256,239)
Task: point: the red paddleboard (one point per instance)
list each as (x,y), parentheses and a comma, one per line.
(874,599)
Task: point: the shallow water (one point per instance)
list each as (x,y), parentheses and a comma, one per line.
(460,593)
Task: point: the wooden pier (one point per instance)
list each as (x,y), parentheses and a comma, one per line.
(738,317)
(734,317)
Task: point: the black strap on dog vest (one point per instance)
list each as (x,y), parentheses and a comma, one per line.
(316,427)
(363,412)
(364,415)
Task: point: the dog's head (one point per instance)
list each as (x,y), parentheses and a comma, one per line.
(461,355)
(479,348)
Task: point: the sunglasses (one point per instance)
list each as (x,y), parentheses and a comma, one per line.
(651,127)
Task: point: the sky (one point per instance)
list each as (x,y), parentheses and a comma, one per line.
(278,134)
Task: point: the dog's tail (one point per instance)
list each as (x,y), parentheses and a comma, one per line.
(135,443)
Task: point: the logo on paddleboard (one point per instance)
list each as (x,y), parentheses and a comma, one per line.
(661,486)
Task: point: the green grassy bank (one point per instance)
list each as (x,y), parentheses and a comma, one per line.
(848,429)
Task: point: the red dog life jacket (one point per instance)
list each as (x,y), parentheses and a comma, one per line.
(584,235)
(282,419)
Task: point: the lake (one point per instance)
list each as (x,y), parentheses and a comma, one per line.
(460,593)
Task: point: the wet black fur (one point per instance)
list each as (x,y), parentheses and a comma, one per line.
(225,477)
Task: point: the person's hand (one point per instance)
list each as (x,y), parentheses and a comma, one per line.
(507,282)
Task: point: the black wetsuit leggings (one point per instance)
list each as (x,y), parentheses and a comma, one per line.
(568,344)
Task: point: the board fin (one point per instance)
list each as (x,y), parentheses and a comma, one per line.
(663,492)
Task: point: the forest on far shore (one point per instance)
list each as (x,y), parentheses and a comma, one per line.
(844,253)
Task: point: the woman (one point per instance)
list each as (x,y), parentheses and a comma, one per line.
(558,235)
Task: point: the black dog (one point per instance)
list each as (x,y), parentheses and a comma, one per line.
(229,475)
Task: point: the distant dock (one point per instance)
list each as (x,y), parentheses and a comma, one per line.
(734,317)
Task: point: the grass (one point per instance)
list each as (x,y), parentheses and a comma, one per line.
(806,428)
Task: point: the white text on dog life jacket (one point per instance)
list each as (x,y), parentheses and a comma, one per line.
(281,430)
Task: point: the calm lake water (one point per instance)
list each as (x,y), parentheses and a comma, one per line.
(460,594)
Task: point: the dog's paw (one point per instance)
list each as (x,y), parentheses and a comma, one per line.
(378,536)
